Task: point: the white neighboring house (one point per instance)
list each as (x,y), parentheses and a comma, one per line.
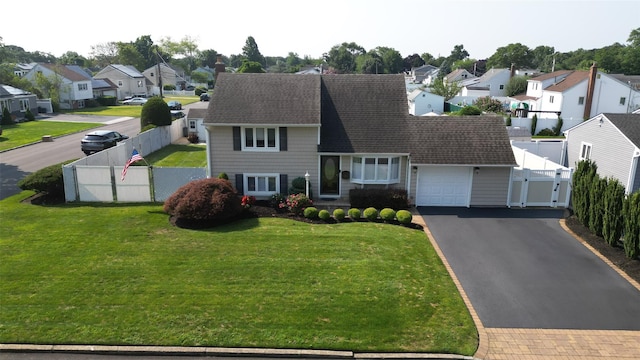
(492,83)
(458,75)
(424,74)
(75,83)
(580,94)
(167,75)
(130,81)
(422,102)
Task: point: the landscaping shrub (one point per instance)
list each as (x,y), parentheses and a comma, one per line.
(298,186)
(338,214)
(6,117)
(277,201)
(311,213)
(354,214)
(168,87)
(508,121)
(596,207)
(387,214)
(371,214)
(404,217)
(583,177)
(379,198)
(546,132)
(47,180)
(324,215)
(28,115)
(199,90)
(296,203)
(631,215)
(534,124)
(193,138)
(156,112)
(204,199)
(557,130)
(489,105)
(223,175)
(470,110)
(107,100)
(613,201)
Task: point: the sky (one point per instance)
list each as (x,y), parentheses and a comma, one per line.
(313,28)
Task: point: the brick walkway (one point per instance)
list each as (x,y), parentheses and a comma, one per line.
(547,344)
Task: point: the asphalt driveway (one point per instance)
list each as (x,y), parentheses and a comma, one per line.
(520,269)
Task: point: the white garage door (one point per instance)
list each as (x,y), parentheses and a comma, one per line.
(443,186)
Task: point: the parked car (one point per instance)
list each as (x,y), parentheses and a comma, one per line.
(204,97)
(99,140)
(174,105)
(135,101)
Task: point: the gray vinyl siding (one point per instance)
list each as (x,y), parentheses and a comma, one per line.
(610,150)
(490,186)
(301,155)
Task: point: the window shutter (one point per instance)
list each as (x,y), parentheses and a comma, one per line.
(237,140)
(283,139)
(284,184)
(240,184)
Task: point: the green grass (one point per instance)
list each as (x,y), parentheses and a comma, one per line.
(126,110)
(121,274)
(32,131)
(174,155)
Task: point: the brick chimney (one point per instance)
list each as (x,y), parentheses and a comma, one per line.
(591,85)
(219,66)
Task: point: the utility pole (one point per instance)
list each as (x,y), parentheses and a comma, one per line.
(159,73)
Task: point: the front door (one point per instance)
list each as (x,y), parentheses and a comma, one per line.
(329,175)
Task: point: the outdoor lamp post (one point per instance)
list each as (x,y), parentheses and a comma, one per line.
(306,182)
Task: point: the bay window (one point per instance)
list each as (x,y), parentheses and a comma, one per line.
(375,169)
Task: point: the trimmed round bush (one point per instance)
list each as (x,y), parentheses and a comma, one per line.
(387,214)
(354,214)
(370,213)
(155,111)
(311,212)
(324,215)
(223,175)
(204,199)
(338,214)
(404,217)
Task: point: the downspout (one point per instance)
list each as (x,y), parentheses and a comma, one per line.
(408,184)
(591,85)
(510,187)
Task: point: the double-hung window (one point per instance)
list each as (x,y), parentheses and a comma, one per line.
(375,169)
(585,151)
(260,139)
(24,105)
(261,184)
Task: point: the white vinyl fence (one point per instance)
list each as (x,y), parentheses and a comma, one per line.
(538,181)
(97,178)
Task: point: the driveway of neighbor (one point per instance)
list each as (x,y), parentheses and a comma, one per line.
(520,269)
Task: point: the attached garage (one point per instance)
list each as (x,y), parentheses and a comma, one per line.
(443,186)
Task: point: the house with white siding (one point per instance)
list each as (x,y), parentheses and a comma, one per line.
(128,79)
(348,132)
(423,102)
(74,83)
(612,141)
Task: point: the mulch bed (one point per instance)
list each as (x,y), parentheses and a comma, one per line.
(615,254)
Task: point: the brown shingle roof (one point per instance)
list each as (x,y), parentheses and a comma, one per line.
(269,99)
(570,81)
(629,125)
(359,114)
(64,71)
(460,140)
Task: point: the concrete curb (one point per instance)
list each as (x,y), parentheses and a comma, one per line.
(220,352)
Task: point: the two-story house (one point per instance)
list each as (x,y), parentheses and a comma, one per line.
(74,83)
(351,131)
(580,94)
(129,80)
(165,75)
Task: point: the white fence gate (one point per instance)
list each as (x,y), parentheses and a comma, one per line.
(540,187)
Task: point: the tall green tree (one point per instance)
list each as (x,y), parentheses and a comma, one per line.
(250,67)
(517,54)
(391,59)
(72,58)
(128,55)
(104,54)
(444,89)
(542,58)
(251,52)
(631,211)
(147,50)
(612,217)
(343,57)
(208,58)
(516,85)
(458,53)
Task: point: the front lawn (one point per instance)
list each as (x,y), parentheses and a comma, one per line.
(32,131)
(121,274)
(174,155)
(126,110)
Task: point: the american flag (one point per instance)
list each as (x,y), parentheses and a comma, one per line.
(135,156)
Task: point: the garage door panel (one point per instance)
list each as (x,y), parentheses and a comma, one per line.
(443,186)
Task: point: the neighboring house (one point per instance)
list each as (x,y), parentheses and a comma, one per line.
(422,102)
(195,123)
(167,75)
(492,83)
(130,82)
(75,83)
(104,87)
(578,95)
(348,132)
(424,74)
(17,101)
(458,75)
(21,70)
(612,141)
